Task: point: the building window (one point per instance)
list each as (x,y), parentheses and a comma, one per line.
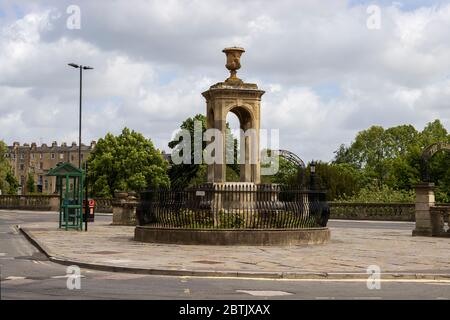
(46,185)
(40,156)
(40,180)
(72,158)
(14,156)
(32,156)
(53,156)
(21,156)
(22,167)
(61,156)
(41,165)
(22,180)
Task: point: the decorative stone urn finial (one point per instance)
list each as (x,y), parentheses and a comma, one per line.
(233,63)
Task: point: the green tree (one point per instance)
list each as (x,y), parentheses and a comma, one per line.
(12,183)
(187,174)
(8,183)
(30,183)
(338,180)
(127,162)
(392,157)
(379,193)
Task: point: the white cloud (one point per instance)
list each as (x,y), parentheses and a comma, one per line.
(153,59)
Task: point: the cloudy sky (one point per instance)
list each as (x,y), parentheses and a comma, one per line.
(326,74)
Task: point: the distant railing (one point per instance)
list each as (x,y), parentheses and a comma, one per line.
(233,206)
(372,211)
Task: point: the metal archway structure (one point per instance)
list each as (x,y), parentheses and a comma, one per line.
(428,153)
(297,161)
(292,158)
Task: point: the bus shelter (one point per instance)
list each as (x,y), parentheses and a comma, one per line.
(69,184)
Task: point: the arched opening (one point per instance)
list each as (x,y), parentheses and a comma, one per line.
(241,144)
(232,140)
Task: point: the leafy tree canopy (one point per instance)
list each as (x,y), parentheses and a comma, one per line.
(183,175)
(127,162)
(8,183)
(392,156)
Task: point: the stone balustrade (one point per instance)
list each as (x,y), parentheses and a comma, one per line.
(30,202)
(45,203)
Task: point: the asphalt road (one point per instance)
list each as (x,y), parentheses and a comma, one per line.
(27,274)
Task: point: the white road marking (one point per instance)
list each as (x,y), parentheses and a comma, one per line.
(371,221)
(332,280)
(15,278)
(120,276)
(264,293)
(15,229)
(68,275)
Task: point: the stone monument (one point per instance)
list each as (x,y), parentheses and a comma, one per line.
(243,99)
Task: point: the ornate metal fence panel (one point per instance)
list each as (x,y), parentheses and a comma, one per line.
(233,206)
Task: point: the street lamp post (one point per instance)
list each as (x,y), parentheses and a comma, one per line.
(81,67)
(312,175)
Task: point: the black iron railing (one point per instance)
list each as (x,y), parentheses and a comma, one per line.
(233,206)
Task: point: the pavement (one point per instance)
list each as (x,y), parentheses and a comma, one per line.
(27,273)
(353,248)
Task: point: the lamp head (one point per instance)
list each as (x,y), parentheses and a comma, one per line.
(312,167)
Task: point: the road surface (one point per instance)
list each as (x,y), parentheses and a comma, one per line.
(27,274)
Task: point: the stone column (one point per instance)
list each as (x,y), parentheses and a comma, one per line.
(424,201)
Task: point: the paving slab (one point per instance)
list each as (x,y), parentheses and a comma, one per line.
(348,254)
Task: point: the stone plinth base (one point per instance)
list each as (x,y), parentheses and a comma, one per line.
(124,209)
(421,233)
(232,237)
